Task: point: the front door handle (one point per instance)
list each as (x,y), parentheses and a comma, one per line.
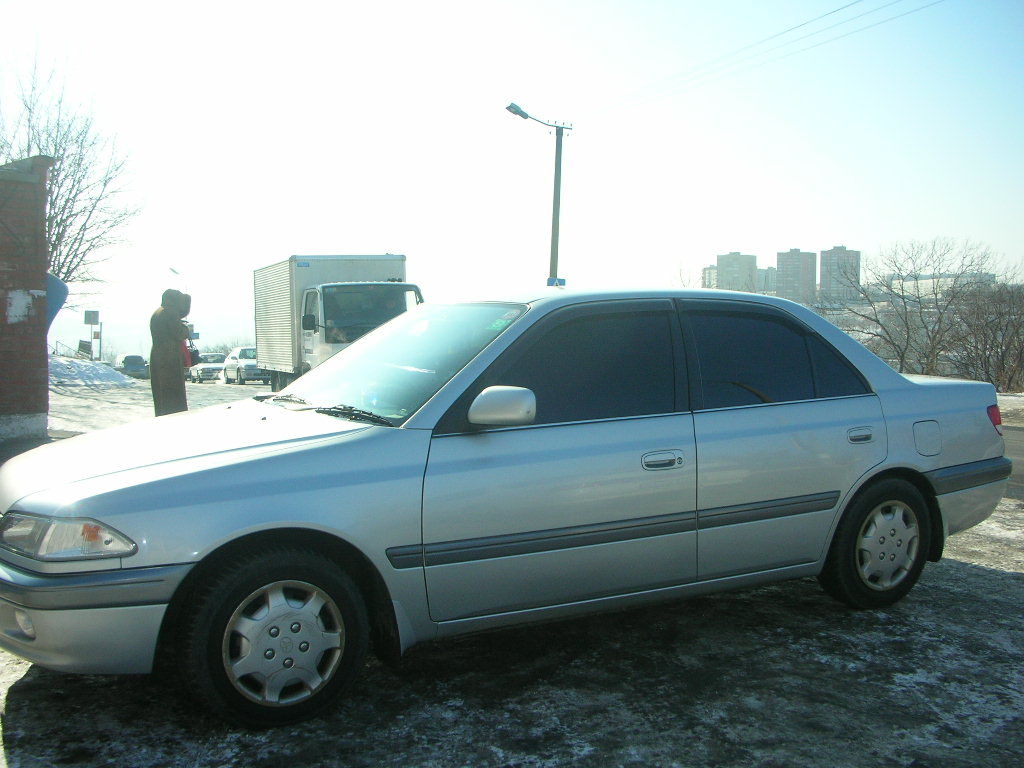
(656,460)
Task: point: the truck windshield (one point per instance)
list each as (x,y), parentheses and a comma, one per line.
(395,369)
(352,310)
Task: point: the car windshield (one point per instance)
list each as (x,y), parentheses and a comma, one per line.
(396,368)
(212,357)
(247,353)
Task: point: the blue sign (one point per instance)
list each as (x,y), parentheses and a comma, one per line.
(557,281)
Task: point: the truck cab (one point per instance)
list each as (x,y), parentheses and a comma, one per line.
(336,314)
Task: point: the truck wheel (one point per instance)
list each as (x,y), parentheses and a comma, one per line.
(274,636)
(879,548)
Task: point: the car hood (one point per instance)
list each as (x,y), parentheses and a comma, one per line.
(180,442)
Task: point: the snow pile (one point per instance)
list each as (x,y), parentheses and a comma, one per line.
(71,372)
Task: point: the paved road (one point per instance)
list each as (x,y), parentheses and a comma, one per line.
(1014,439)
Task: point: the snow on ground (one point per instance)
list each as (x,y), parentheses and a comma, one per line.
(85,396)
(71,372)
(1011,409)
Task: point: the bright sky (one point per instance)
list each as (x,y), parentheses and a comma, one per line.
(259,130)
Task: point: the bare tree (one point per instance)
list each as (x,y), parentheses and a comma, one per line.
(84,211)
(905,308)
(987,341)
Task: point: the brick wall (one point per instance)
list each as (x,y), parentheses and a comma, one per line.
(24,377)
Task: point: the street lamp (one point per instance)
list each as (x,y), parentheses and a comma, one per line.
(515,109)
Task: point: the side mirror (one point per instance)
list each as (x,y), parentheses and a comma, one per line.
(503,407)
(309,322)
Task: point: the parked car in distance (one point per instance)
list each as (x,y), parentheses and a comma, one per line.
(240,367)
(472,466)
(208,368)
(133,365)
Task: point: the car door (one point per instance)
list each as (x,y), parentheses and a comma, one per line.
(311,336)
(596,498)
(231,365)
(784,428)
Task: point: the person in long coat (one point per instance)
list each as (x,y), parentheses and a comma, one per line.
(166,361)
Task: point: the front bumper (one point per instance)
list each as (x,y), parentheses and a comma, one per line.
(98,622)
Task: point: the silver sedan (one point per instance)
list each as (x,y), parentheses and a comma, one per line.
(472,466)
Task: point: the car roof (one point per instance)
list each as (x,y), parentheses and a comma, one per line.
(551,298)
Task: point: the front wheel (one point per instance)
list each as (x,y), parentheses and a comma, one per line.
(880,546)
(275,636)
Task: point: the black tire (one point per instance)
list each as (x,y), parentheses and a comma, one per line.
(880,546)
(289,614)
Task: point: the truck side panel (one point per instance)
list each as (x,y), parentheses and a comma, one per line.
(276,332)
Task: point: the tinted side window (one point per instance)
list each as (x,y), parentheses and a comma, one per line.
(833,376)
(598,367)
(748,358)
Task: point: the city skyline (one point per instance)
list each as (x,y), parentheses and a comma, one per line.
(794,276)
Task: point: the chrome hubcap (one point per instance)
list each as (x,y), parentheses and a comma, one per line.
(887,545)
(283,643)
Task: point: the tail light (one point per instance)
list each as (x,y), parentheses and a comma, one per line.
(996,418)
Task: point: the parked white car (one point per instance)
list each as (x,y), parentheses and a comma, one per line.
(209,367)
(472,466)
(240,366)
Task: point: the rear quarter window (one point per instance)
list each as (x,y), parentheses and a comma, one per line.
(751,356)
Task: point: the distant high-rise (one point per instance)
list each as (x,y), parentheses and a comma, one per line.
(709,277)
(737,272)
(767,280)
(796,278)
(840,273)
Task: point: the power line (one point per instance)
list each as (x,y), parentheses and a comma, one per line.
(706,64)
(714,76)
(788,43)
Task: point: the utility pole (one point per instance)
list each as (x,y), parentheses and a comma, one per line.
(515,109)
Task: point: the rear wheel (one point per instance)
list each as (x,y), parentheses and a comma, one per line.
(274,637)
(880,546)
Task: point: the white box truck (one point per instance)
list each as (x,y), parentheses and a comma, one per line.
(309,307)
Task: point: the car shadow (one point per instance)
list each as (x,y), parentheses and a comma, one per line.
(779,675)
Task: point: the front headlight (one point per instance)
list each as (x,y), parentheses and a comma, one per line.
(62,538)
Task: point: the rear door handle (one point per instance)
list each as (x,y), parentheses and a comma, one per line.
(656,460)
(860,435)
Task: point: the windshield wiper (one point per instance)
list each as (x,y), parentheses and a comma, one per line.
(358,414)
